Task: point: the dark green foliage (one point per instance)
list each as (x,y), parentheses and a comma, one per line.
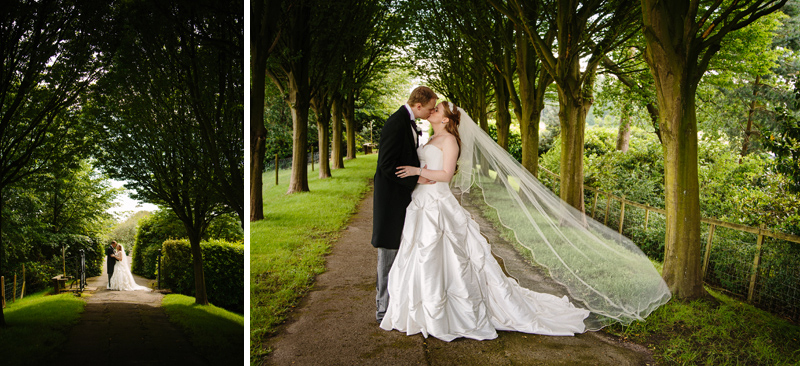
(223,268)
(162,225)
(514,141)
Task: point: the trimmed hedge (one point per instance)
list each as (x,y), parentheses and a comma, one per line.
(162,225)
(223,267)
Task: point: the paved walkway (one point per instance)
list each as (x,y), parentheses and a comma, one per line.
(335,323)
(126,328)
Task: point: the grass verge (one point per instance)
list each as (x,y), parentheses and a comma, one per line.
(214,332)
(704,333)
(287,248)
(37,326)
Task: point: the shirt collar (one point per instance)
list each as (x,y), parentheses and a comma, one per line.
(410,112)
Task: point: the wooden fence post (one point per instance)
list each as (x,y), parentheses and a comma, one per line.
(276,169)
(3,290)
(594,205)
(608,206)
(646,217)
(708,249)
(755,264)
(22,293)
(312,158)
(622,214)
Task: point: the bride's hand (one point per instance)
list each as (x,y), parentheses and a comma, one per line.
(407,171)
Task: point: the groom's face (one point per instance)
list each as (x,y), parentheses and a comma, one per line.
(424,111)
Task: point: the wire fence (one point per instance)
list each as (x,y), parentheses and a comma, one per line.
(12,288)
(755,265)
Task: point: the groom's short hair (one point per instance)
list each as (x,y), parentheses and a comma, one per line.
(422,95)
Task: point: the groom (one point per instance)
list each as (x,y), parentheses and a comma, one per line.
(398,146)
(110,261)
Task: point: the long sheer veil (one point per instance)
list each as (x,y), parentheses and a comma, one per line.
(602,270)
(126,260)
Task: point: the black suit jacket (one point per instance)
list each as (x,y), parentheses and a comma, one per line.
(392,194)
(111,260)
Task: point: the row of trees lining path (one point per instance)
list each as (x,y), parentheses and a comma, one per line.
(512,49)
(152,90)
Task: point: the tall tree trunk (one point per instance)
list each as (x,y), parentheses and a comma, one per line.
(337,155)
(258,140)
(624,133)
(299,102)
(200,296)
(322,111)
(350,124)
(2,257)
(749,130)
(674,69)
(503,116)
(572,115)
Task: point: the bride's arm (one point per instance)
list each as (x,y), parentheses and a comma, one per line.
(450,158)
(118,255)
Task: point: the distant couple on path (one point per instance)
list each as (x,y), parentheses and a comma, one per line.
(435,271)
(119,270)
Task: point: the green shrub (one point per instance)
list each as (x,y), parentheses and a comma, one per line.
(162,225)
(223,268)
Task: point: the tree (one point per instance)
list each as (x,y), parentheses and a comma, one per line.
(154,114)
(585,30)
(682,38)
(263,39)
(48,52)
(289,71)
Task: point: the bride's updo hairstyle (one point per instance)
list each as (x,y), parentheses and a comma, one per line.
(454,115)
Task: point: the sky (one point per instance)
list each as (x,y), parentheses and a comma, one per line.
(127,205)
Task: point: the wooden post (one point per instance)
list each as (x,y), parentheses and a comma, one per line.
(646,216)
(622,214)
(14,298)
(276,169)
(608,206)
(312,158)
(3,290)
(63,261)
(707,256)
(22,293)
(757,258)
(594,205)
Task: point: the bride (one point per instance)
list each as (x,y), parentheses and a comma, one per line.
(445,281)
(122,279)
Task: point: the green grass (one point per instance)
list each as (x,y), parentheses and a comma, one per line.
(216,333)
(37,326)
(705,333)
(287,248)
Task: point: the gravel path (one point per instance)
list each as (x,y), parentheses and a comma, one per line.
(335,323)
(126,328)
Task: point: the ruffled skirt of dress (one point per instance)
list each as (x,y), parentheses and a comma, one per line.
(446,283)
(122,279)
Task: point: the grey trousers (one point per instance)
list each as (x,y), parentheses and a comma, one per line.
(385,260)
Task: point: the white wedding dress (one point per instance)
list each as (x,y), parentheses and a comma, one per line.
(445,282)
(122,279)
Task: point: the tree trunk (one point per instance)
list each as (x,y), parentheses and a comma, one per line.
(2,258)
(350,125)
(533,82)
(624,134)
(749,130)
(258,140)
(322,111)
(676,75)
(300,104)
(200,296)
(337,155)
(572,115)
(503,117)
